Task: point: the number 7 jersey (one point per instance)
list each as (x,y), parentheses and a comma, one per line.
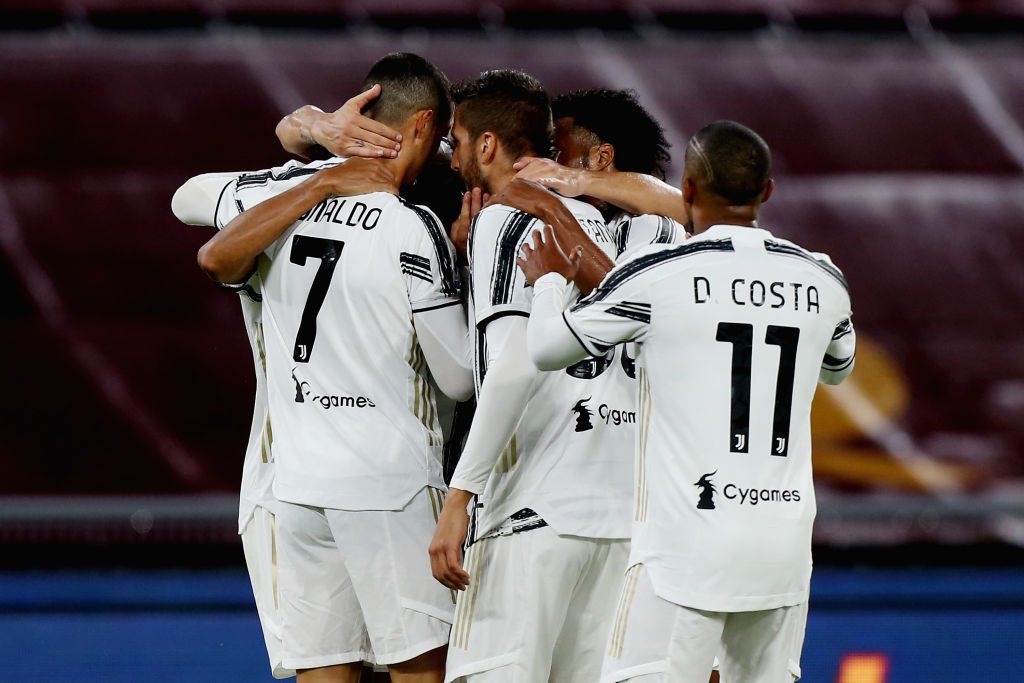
(734,327)
(353,412)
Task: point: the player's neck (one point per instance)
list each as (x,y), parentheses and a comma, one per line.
(743,216)
(398,168)
(499,178)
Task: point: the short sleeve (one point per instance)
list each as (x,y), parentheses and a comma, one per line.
(499,286)
(428,261)
(619,310)
(642,231)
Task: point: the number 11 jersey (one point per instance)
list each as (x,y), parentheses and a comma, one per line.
(734,328)
(353,411)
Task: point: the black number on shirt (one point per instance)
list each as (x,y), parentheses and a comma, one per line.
(741,336)
(328,251)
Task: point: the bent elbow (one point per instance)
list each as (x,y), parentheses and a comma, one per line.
(459,389)
(213,265)
(834,378)
(544,361)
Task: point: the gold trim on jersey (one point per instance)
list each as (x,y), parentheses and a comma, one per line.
(266,439)
(644,400)
(423,407)
(618,640)
(509,457)
(465,608)
(273,558)
(258,335)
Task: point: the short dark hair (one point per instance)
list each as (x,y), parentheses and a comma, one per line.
(512,105)
(733,161)
(409,83)
(616,117)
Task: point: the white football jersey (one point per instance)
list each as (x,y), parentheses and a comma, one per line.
(355,422)
(632,233)
(258,465)
(734,327)
(570,458)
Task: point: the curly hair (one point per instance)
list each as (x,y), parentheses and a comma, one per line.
(616,117)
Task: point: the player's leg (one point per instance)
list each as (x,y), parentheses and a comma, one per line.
(407,613)
(508,620)
(324,632)
(425,668)
(339,673)
(757,647)
(259,544)
(655,641)
(579,650)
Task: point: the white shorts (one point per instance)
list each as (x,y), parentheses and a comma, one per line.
(259,544)
(356,585)
(538,608)
(656,641)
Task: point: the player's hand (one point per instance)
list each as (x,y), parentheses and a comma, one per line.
(472,202)
(561,179)
(357,176)
(527,196)
(449,537)
(546,256)
(346,132)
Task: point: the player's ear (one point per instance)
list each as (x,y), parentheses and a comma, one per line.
(602,157)
(487,147)
(768,190)
(425,123)
(689,190)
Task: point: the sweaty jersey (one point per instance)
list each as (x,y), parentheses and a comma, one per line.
(734,327)
(355,422)
(570,458)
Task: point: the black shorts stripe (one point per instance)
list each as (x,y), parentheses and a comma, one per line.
(439,238)
(781,249)
(622,274)
(511,236)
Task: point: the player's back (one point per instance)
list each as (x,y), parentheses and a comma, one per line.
(355,422)
(739,324)
(570,458)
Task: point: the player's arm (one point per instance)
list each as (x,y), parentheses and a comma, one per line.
(538,201)
(615,312)
(230,256)
(504,392)
(501,304)
(308,131)
(195,202)
(447,347)
(635,193)
(841,354)
(428,264)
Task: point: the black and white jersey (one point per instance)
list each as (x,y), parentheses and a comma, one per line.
(734,328)
(632,233)
(355,422)
(570,458)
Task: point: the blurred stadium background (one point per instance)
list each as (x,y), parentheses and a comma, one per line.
(898,134)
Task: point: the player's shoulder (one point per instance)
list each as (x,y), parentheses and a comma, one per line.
(498,221)
(635,232)
(816,259)
(288,171)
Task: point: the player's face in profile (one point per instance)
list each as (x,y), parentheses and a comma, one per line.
(464,160)
(571,152)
